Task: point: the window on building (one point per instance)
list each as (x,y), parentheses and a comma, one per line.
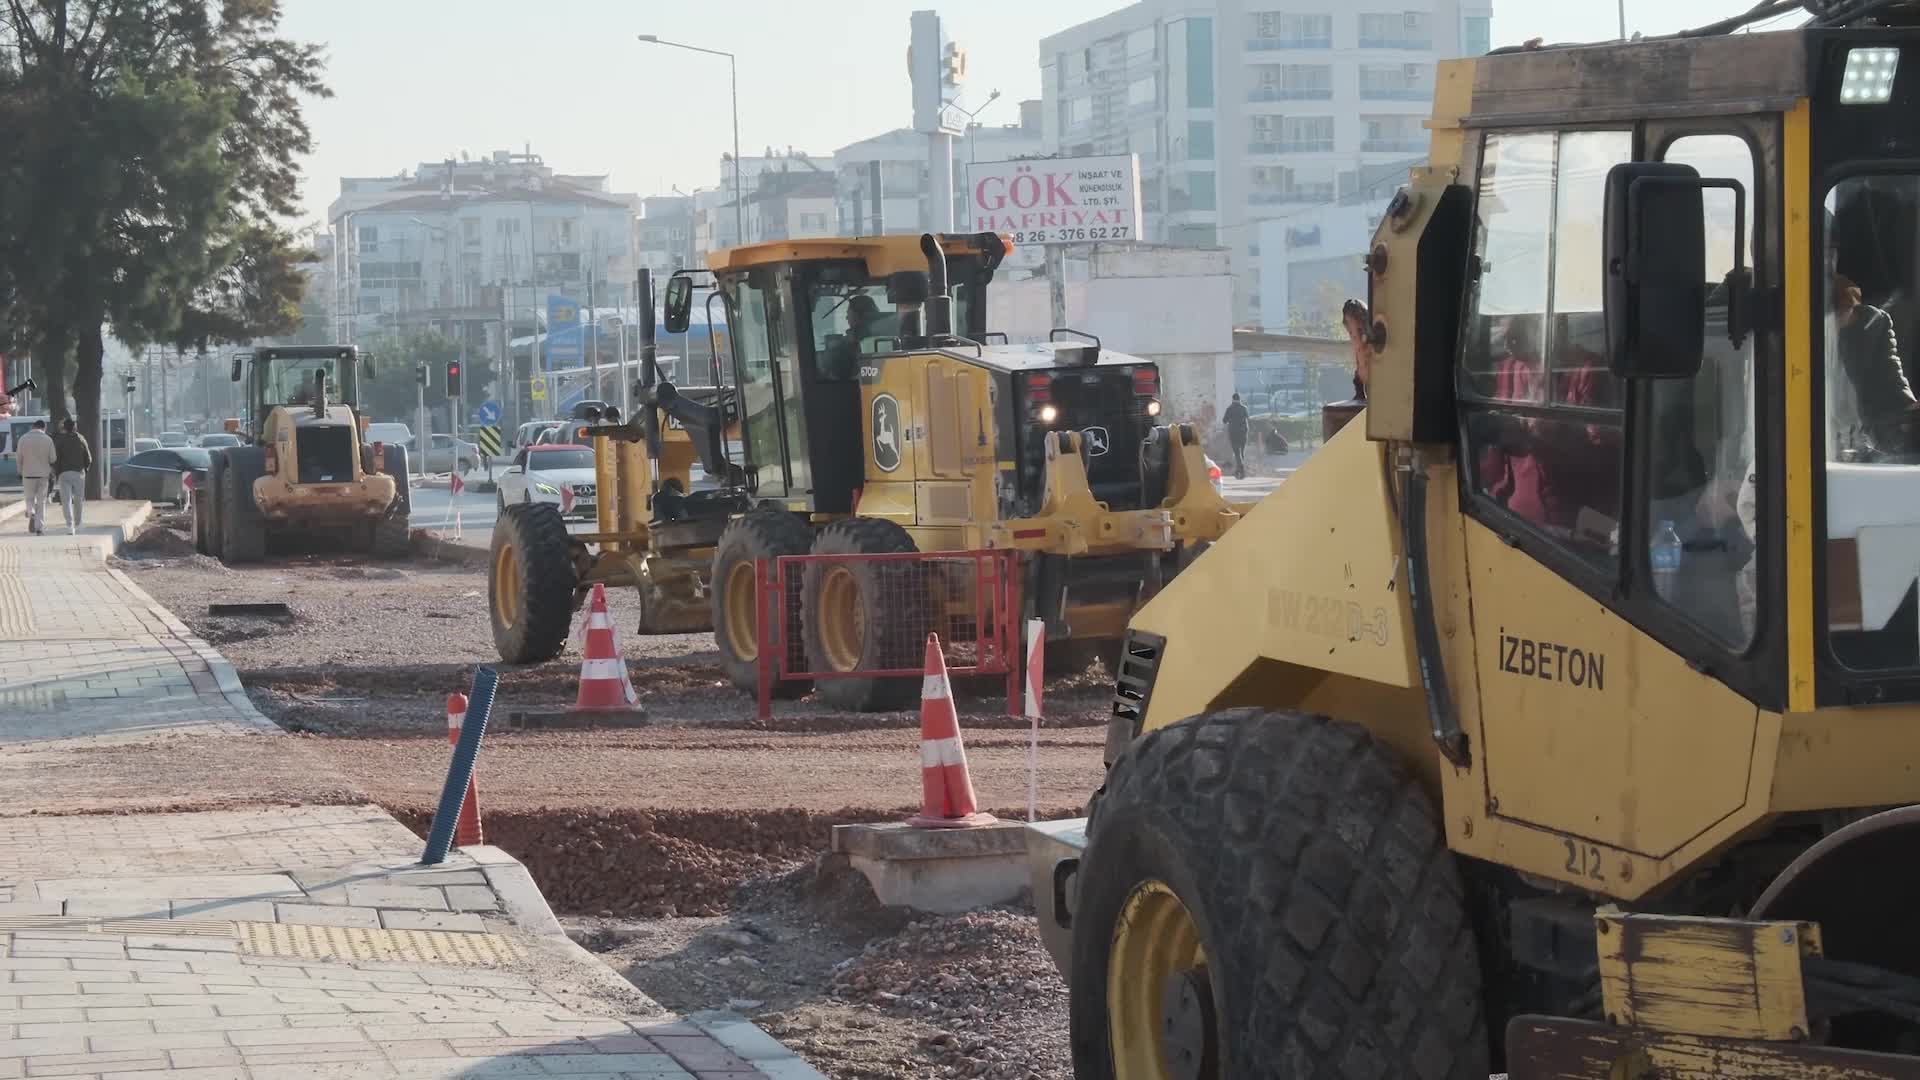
(1077,111)
(1289,30)
(1395,30)
(470,231)
(1306,134)
(1140,44)
(1398,134)
(1200,140)
(1272,184)
(1542,412)
(813,222)
(369,236)
(370,305)
(1200,63)
(1477,35)
(1141,93)
(1073,67)
(1396,82)
(1201,186)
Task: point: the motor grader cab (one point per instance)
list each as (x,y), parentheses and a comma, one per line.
(871,415)
(1547,719)
(305,467)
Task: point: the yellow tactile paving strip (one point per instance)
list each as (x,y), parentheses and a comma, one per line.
(361,943)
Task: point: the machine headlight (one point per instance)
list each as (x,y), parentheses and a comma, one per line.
(1048,414)
(545,488)
(1153,408)
(1868,79)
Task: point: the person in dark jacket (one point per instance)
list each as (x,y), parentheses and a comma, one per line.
(72,459)
(1870,357)
(1237,422)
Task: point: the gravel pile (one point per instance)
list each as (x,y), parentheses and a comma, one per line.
(984,979)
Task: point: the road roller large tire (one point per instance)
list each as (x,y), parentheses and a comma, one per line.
(762,534)
(530,584)
(866,615)
(1270,894)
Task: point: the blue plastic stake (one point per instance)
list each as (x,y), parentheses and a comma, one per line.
(460,772)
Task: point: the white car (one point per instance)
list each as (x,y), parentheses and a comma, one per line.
(541,473)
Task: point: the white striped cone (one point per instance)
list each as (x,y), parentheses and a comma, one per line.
(1036,665)
(946,788)
(604,683)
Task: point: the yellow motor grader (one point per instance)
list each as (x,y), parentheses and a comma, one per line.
(1562,715)
(865,409)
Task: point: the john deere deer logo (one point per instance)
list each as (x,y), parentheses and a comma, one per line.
(886,433)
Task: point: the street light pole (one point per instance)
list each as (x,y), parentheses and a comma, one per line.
(733,82)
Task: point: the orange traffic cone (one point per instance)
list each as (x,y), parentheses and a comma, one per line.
(466,830)
(946,789)
(604,682)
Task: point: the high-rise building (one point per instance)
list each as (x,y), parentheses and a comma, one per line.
(909,204)
(1244,111)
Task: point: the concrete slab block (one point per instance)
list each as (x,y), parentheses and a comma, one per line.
(431,920)
(238,910)
(130,908)
(324,915)
(396,896)
(942,871)
(472,898)
(171,887)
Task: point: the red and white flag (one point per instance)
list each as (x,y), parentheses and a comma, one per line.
(566,498)
(455,484)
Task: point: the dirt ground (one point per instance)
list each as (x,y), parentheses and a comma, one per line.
(701,829)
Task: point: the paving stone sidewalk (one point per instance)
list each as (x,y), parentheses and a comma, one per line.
(278,942)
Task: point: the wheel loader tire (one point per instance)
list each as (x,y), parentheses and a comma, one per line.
(200,523)
(762,534)
(865,615)
(1297,860)
(243,530)
(391,536)
(396,467)
(530,584)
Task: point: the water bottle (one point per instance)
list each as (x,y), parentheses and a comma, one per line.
(1666,552)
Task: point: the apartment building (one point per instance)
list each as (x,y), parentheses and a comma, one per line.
(1248,111)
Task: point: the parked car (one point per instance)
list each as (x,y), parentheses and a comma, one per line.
(172,439)
(539,473)
(140,445)
(216,439)
(393,434)
(529,433)
(154,475)
(448,454)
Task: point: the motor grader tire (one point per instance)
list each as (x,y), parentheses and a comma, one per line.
(865,615)
(243,529)
(200,519)
(530,584)
(761,534)
(1270,894)
(208,502)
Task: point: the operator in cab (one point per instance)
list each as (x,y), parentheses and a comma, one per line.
(841,360)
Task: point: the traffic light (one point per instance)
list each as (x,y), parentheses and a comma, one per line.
(128,385)
(420,374)
(453,378)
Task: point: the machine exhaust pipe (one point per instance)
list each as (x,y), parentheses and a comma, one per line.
(939,308)
(320,393)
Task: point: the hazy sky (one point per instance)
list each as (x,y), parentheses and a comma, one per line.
(417,80)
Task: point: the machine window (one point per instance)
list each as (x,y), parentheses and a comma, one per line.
(290,382)
(1700,442)
(849,318)
(1542,411)
(753,343)
(1871,423)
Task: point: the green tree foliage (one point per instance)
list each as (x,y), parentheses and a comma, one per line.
(148,164)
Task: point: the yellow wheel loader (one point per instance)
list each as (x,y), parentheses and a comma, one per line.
(304,467)
(865,409)
(1561,716)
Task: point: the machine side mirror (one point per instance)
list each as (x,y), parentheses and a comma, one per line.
(679,303)
(366,365)
(239,362)
(1656,268)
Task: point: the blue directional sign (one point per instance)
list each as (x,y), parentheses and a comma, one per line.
(487,413)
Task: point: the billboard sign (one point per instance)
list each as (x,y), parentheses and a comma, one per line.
(1056,200)
(562,347)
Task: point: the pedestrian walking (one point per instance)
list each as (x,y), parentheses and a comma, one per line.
(1237,421)
(72,458)
(35,454)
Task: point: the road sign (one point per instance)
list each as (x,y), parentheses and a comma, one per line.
(488,413)
(539,389)
(488,440)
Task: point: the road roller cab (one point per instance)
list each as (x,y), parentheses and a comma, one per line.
(1545,719)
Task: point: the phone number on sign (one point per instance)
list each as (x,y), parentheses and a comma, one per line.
(1055,236)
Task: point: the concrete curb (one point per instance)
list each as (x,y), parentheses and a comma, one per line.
(526,907)
(222,671)
(761,1050)
(439,549)
(13,509)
